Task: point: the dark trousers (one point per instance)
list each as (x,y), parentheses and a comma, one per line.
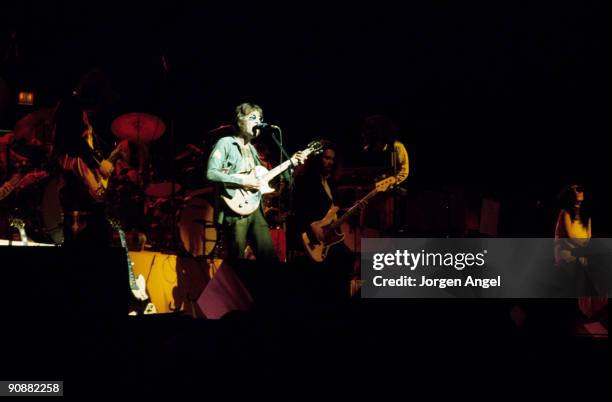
(86,229)
(238,230)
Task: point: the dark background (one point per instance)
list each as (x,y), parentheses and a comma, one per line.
(509,99)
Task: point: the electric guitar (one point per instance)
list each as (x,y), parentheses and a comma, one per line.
(96,182)
(31,178)
(20,225)
(325,232)
(137,285)
(20,181)
(245,202)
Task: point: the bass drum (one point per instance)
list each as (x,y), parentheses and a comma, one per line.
(40,208)
(51,211)
(197,227)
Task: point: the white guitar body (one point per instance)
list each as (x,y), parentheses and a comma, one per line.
(139,291)
(245,202)
(138,285)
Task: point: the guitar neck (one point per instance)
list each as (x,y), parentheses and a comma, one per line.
(127,254)
(23,235)
(351,211)
(278,170)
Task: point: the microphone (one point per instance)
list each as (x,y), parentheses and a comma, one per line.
(263,127)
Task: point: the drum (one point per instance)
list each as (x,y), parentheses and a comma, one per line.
(197,227)
(191,176)
(162,189)
(39,206)
(280,243)
(51,211)
(158,221)
(126,203)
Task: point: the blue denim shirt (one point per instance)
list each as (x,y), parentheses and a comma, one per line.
(225,160)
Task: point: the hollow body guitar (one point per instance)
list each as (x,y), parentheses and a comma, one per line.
(245,202)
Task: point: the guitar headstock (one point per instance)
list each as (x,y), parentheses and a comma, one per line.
(17,223)
(384,184)
(115,224)
(314,147)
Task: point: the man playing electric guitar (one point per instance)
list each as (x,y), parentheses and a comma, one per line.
(314,195)
(321,235)
(314,191)
(230,162)
(78,151)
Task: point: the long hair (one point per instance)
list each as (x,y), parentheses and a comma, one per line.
(93,90)
(314,164)
(567,202)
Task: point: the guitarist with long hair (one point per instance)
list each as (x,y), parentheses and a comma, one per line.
(79,152)
(314,189)
(315,197)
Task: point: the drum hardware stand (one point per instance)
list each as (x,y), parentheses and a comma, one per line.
(170,109)
(173,208)
(8,160)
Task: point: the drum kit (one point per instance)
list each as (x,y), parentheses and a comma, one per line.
(178,215)
(175,215)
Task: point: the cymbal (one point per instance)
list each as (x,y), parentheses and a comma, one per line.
(138,127)
(7,138)
(35,127)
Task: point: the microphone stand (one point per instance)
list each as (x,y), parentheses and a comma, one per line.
(285,155)
(279,142)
